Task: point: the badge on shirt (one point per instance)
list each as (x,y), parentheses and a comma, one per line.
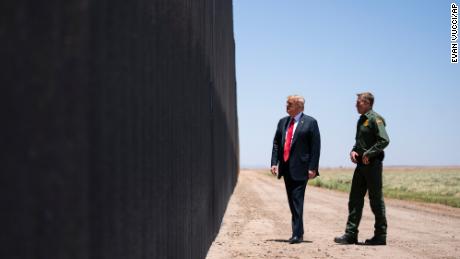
(366,123)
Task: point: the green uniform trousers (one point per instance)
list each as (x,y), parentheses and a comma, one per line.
(367,178)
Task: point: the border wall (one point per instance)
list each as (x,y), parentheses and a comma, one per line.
(119,133)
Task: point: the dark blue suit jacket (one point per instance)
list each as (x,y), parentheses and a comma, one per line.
(305,148)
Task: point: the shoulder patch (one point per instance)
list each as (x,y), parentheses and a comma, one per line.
(379,121)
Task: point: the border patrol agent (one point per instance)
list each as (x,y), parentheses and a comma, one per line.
(368,154)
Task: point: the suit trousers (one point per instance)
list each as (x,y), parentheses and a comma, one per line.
(295,192)
(367,178)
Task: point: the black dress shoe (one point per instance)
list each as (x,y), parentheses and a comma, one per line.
(295,240)
(346,239)
(376,241)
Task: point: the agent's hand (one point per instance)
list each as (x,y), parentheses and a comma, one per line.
(366,160)
(311,174)
(274,170)
(353,156)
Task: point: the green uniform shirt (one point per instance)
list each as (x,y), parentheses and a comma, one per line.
(371,136)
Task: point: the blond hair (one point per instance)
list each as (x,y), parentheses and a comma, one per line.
(298,100)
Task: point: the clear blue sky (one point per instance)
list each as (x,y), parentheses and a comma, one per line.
(328,51)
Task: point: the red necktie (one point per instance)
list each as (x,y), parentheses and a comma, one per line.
(287,142)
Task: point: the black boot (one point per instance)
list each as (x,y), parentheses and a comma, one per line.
(376,241)
(346,239)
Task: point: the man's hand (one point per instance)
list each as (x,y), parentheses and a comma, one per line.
(366,160)
(311,174)
(274,170)
(353,156)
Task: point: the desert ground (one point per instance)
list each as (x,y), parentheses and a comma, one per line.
(257,225)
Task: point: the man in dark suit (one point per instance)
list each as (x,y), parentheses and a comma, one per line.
(295,156)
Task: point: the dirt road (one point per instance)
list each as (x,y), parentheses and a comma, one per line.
(257,225)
